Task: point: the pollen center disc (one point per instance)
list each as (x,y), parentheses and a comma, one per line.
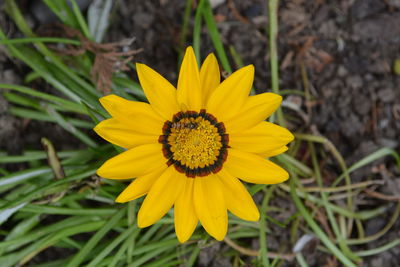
(195,143)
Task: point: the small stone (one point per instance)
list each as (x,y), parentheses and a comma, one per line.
(362,105)
(384,123)
(383,27)
(253,11)
(364,8)
(377,261)
(352,126)
(144,19)
(388,142)
(386,95)
(394,3)
(380,67)
(354,82)
(342,71)
(216,3)
(374,225)
(368,77)
(10,77)
(328,28)
(3,103)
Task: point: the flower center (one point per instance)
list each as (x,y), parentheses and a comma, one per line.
(195,143)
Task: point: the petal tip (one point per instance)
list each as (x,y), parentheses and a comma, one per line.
(255,217)
(184,233)
(110,100)
(142,70)
(96,129)
(249,68)
(108,97)
(190,55)
(99,128)
(139,66)
(285,176)
(290,137)
(246,71)
(141,222)
(279,98)
(189,49)
(140,225)
(212,57)
(219,233)
(105,99)
(103,171)
(274,98)
(120,200)
(182,238)
(100,171)
(219,237)
(286,135)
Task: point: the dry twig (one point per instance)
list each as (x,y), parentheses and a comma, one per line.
(107,58)
(255,253)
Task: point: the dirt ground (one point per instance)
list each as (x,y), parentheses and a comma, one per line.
(339,52)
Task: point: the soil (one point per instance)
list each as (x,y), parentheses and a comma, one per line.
(340,53)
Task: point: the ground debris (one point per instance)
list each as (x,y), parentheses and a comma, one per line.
(108,56)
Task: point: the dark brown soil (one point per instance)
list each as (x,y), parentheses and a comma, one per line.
(340,52)
(348,51)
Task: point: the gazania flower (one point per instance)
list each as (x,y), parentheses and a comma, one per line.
(189,146)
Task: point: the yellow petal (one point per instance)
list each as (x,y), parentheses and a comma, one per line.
(275,152)
(160,93)
(253,168)
(123,134)
(229,97)
(210,76)
(261,138)
(256,109)
(161,197)
(184,215)
(189,92)
(138,115)
(209,203)
(140,186)
(238,200)
(134,162)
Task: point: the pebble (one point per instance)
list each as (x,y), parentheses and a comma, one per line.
(342,71)
(354,82)
(386,95)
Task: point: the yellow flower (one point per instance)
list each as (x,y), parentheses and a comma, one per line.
(189,146)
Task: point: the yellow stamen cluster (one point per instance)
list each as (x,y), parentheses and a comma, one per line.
(195,142)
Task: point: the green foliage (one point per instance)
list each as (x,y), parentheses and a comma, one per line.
(397,66)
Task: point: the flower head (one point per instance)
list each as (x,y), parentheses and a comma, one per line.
(190,146)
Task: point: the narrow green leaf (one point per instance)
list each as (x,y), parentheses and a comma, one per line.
(215,37)
(81,255)
(107,250)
